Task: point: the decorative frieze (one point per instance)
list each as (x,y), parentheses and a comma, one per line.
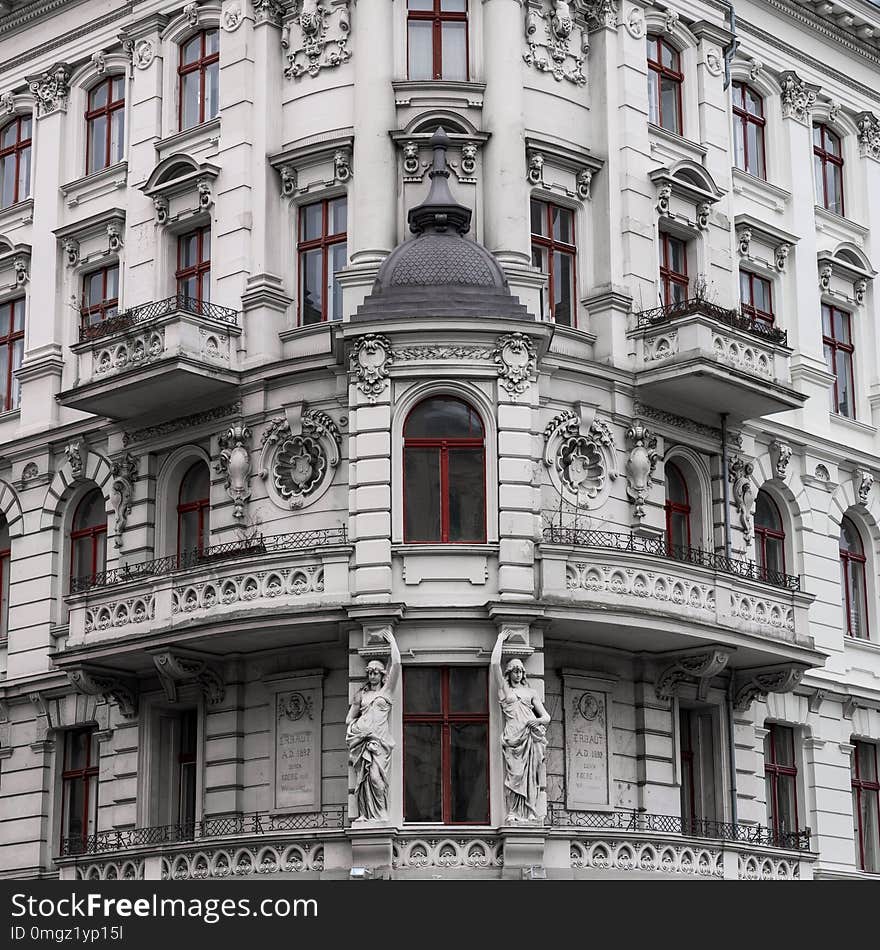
(248,589)
(688,425)
(133,351)
(148,433)
(235,464)
(612,854)
(447,853)
(765,612)
(316,37)
(557,41)
(121,613)
(238,862)
(647,585)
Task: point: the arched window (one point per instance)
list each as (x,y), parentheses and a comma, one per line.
(678,509)
(11,352)
(769,535)
(199,76)
(5,550)
(194,510)
(828,167)
(15,160)
(748,130)
(444,473)
(88,537)
(852,580)
(105,124)
(665,79)
(193,272)
(437,39)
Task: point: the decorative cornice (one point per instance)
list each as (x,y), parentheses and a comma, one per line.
(174,667)
(756,684)
(110,685)
(175,425)
(691,668)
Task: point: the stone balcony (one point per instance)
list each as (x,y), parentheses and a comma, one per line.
(639,593)
(157,357)
(261,581)
(698,358)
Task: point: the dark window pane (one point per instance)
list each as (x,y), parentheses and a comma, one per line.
(467,507)
(337,216)
(7,180)
(766,515)
(422,494)
(98,96)
(443,417)
(669,104)
(563,225)
(421,690)
(196,484)
(563,288)
(338,254)
(190,96)
(212,91)
(467,689)
(469,767)
(538,214)
(311,285)
(90,513)
(422,772)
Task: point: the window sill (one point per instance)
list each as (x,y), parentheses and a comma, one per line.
(98,183)
(854,424)
(760,190)
(406,90)
(838,224)
(22,212)
(679,146)
(209,131)
(413,547)
(870,646)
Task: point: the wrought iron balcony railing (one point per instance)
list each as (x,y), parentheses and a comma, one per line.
(248,547)
(148,312)
(250,824)
(660,547)
(730,318)
(559,817)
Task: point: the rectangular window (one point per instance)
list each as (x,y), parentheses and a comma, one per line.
(698,791)
(105,124)
(866,805)
(199,77)
(11,352)
(839,349)
(554,251)
(100,298)
(665,80)
(780,779)
(446,745)
(323,252)
(4,587)
(756,296)
(194,267)
(437,39)
(673,270)
(177,775)
(79,788)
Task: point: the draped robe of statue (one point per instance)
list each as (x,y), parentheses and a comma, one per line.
(369,751)
(523,744)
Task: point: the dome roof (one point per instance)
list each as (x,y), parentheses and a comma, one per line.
(465,279)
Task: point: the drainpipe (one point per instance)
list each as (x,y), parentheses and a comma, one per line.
(730,727)
(734,43)
(731,750)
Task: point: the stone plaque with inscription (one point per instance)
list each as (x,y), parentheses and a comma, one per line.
(297,743)
(588,751)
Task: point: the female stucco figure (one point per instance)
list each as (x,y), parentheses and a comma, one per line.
(368,735)
(524,739)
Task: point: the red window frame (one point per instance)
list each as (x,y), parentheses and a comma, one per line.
(860,788)
(5,556)
(201,267)
(17,148)
(552,246)
(762,533)
(201,64)
(444,444)
(93,532)
(438,17)
(664,72)
(69,776)
(826,158)
(669,277)
(686,748)
(446,718)
(112,105)
(675,507)
(774,770)
(87,310)
(9,337)
(201,505)
(747,304)
(744,118)
(325,241)
(846,559)
(187,760)
(837,344)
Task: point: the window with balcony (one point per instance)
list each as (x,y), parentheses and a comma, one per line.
(665,79)
(105,124)
(769,535)
(853,581)
(15,161)
(698,783)
(5,553)
(193,272)
(88,536)
(79,788)
(446,745)
(866,805)
(673,270)
(437,39)
(837,342)
(322,251)
(678,508)
(756,296)
(11,351)
(176,750)
(194,510)
(780,779)
(828,168)
(444,473)
(554,252)
(748,130)
(199,78)
(100,298)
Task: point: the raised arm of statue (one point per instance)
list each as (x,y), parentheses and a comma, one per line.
(393,663)
(495,664)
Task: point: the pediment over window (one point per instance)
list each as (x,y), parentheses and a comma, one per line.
(94,238)
(315,163)
(15,265)
(175,182)
(845,272)
(686,193)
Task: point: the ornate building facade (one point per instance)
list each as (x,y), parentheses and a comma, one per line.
(526,347)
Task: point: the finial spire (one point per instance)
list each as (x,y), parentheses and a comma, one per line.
(439,211)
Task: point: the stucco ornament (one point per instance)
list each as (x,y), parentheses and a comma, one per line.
(640,465)
(7,103)
(780,455)
(581,465)
(316,37)
(739,473)
(267,11)
(20,267)
(235,464)
(557,42)
(232,17)
(143,54)
(714,62)
(825,273)
(868,126)
(635,23)
(51,89)
(160,209)
(600,13)
(664,196)
(297,464)
(191,12)
(370,360)
(523,739)
(798,97)
(368,736)
(516,360)
(781,256)
(76,453)
(864,482)
(584,183)
(410,158)
(744,241)
(535,172)
(860,290)
(124,473)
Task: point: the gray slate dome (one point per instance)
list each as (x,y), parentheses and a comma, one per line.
(440,272)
